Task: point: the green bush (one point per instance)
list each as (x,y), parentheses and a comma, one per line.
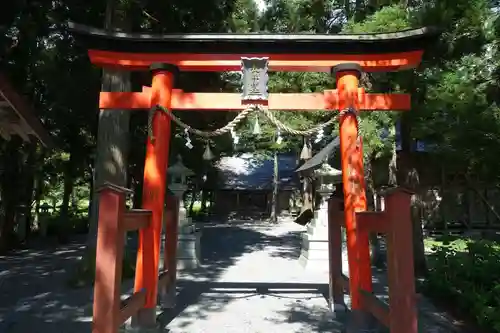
(467,273)
(197,214)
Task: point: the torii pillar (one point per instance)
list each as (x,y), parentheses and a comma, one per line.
(358,249)
(154,190)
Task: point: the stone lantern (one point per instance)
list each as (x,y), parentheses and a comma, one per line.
(314,253)
(327,178)
(179,174)
(43,218)
(188,246)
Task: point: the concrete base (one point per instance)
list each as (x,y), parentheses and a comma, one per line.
(314,252)
(362,322)
(339,311)
(144,318)
(189,250)
(167,296)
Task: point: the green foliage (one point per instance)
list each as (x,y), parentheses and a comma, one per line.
(387,19)
(197,213)
(464,96)
(245,17)
(455,93)
(373,124)
(467,274)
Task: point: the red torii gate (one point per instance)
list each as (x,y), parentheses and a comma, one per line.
(345,56)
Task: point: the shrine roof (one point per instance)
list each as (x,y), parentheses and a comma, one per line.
(17,117)
(320,157)
(246,172)
(255,43)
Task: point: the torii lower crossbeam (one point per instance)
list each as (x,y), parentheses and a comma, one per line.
(328,100)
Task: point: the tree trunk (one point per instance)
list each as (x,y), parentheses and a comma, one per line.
(64,216)
(10,193)
(407,176)
(194,198)
(28,188)
(113,128)
(359,13)
(393,167)
(67,189)
(378,259)
(347,9)
(137,199)
(137,178)
(38,184)
(91,189)
(205,198)
(275,198)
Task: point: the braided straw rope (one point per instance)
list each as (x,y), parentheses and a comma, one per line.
(237,120)
(206,134)
(287,129)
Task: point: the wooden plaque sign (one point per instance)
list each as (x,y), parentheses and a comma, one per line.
(255,78)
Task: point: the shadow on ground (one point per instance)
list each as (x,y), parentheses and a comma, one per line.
(35,296)
(222,246)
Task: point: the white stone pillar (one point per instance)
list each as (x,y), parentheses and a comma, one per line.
(188,247)
(314,253)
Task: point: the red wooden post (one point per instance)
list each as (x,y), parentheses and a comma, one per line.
(154,189)
(109,259)
(336,292)
(364,259)
(402,297)
(353,181)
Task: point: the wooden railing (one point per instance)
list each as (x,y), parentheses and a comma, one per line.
(109,311)
(400,314)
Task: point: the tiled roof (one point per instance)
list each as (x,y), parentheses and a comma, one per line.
(17,116)
(249,172)
(323,155)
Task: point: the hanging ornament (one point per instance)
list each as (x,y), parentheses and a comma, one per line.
(319,135)
(359,142)
(236,138)
(188,139)
(208,155)
(306,153)
(279,139)
(256,126)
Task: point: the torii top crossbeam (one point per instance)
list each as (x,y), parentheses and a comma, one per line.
(223,52)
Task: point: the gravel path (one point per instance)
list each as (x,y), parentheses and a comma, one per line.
(253,283)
